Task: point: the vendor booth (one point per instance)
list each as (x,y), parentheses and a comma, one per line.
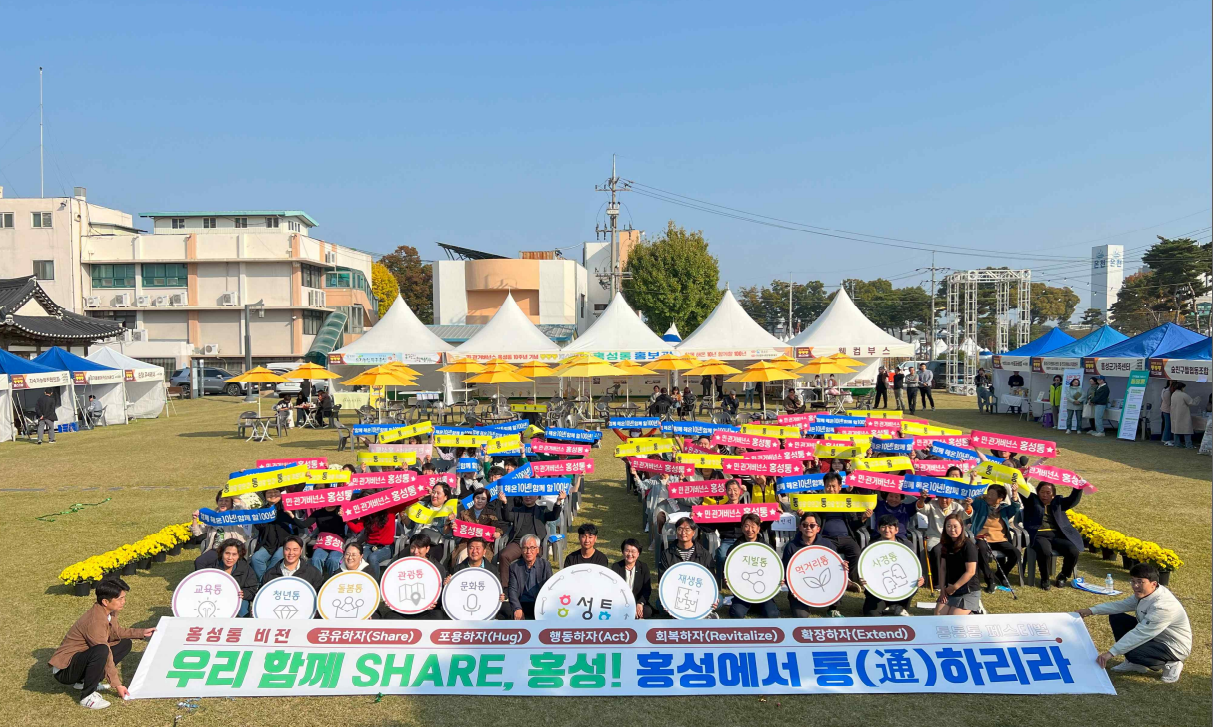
(1020,360)
(1060,361)
(730,334)
(90,378)
(146,388)
(1190,364)
(27,381)
(843,328)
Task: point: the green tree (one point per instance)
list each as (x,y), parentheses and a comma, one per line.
(414,279)
(673,280)
(1051,304)
(1092,317)
(383,284)
(768,305)
(1139,305)
(1181,270)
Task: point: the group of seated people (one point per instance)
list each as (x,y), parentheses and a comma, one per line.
(682,403)
(319,405)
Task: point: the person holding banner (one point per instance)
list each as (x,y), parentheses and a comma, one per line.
(480,511)
(272,535)
(232,562)
(687,546)
(210,536)
(528,519)
(95,644)
(587,536)
(840,527)
(327,521)
(636,574)
(528,575)
(378,531)
(419,547)
(1156,638)
(293,565)
(887,529)
(729,533)
(809,530)
(751,526)
(896,505)
(958,568)
(1048,526)
(991,525)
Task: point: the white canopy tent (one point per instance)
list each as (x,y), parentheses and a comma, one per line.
(843,328)
(144,382)
(509,335)
(730,334)
(619,334)
(398,336)
(6,409)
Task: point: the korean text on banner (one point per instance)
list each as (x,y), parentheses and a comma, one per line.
(705,461)
(833,503)
(504,443)
(769,430)
(266,478)
(1127,428)
(559,467)
(697,488)
(747,441)
(386,459)
(540,446)
(767,511)
(1059,476)
(237,517)
(751,467)
(463,529)
(326,477)
(678,469)
(882,481)
(883,464)
(1008,443)
(382,500)
(945,487)
(940,467)
(640,449)
(1025,653)
(413,430)
(312,463)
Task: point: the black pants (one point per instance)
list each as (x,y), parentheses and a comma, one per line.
(1153,654)
(767,609)
(873,605)
(801,610)
(850,551)
(881,400)
(986,553)
(911,398)
(89,666)
(925,394)
(1070,554)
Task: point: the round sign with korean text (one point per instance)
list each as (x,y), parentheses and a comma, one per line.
(816,577)
(753,572)
(348,596)
(207,593)
(473,594)
(585,592)
(286,598)
(687,590)
(890,570)
(411,585)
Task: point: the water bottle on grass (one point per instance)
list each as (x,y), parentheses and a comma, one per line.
(1108,581)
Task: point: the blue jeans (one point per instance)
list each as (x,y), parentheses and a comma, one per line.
(377,554)
(1075,415)
(244,609)
(262,561)
(739,608)
(327,561)
(750,397)
(1098,416)
(1167,427)
(1184,440)
(721,553)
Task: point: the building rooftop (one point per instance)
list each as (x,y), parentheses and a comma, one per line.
(237,213)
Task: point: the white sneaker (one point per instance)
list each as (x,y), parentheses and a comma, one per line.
(1097,434)
(94,701)
(1171,671)
(1129,667)
(1169,444)
(834,613)
(901,612)
(101,687)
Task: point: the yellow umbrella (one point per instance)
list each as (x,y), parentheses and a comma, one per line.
(632,368)
(842,358)
(312,372)
(258,375)
(463,366)
(763,372)
(502,363)
(499,378)
(587,366)
(534,369)
(399,368)
(380,378)
(712,367)
(786,362)
(670,362)
(822,366)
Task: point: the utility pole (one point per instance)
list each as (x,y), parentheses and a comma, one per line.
(931,316)
(41,166)
(788,328)
(614,186)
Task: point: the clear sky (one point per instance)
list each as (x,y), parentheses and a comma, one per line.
(1025,129)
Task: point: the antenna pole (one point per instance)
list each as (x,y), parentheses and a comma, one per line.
(615,273)
(41,165)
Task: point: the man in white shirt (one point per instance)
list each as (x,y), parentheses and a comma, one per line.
(1157,637)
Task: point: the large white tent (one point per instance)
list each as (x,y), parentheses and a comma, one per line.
(144,382)
(509,335)
(619,333)
(6,409)
(843,328)
(398,336)
(730,334)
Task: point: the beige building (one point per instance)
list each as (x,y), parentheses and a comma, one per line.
(182,287)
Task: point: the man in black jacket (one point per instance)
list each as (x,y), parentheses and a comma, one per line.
(272,536)
(686,547)
(528,518)
(293,565)
(44,409)
(527,576)
(587,536)
(881,400)
(899,382)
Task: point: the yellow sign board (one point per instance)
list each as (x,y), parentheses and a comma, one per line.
(837,451)
(258,481)
(883,464)
(524,408)
(771,430)
(505,443)
(461,440)
(814,502)
(326,476)
(413,430)
(640,448)
(387,459)
(704,461)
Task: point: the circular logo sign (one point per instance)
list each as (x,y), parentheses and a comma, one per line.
(816,577)
(890,570)
(411,585)
(473,594)
(585,592)
(285,598)
(207,593)
(348,596)
(753,572)
(687,590)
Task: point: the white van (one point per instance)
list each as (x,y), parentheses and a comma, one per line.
(292,386)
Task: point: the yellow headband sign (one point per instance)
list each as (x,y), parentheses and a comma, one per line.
(704,461)
(258,481)
(884,464)
(422,513)
(387,459)
(523,408)
(634,448)
(812,502)
(836,451)
(506,443)
(924,430)
(461,440)
(771,430)
(413,430)
(325,477)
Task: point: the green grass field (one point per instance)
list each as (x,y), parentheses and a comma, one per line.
(157,472)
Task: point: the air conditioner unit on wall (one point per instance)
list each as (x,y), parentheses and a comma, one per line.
(138,334)
(210,349)
(142,301)
(177,299)
(92,301)
(161,300)
(122,300)
(228,298)
(316,298)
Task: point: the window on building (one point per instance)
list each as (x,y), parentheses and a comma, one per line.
(178,223)
(293,226)
(272,223)
(126,318)
(354,318)
(168,275)
(241,222)
(41,219)
(6,220)
(113,276)
(347,278)
(208,223)
(44,269)
(312,321)
(312,276)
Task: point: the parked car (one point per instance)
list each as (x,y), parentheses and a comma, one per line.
(937,367)
(291,386)
(214,381)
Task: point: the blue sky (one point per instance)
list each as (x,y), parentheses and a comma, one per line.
(1031,129)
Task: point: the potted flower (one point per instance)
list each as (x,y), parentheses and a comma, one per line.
(81,576)
(1131,552)
(1167,561)
(1111,542)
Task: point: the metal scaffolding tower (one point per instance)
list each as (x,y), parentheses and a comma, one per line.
(962,301)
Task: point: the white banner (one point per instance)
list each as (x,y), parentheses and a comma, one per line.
(1026,653)
(1127,428)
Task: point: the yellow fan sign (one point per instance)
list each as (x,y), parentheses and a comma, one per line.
(813,502)
(704,461)
(771,430)
(505,443)
(387,459)
(413,430)
(635,448)
(883,464)
(325,477)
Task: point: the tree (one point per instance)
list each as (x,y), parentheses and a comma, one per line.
(383,284)
(768,305)
(414,280)
(891,309)
(674,280)
(1051,304)
(1181,270)
(1139,306)
(1092,318)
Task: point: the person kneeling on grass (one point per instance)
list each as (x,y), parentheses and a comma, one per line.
(887,529)
(1157,637)
(94,645)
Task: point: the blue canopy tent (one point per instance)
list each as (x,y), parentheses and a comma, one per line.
(90,377)
(672,335)
(1191,364)
(23,382)
(1003,365)
(1068,357)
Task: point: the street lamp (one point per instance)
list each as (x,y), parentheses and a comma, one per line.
(251,394)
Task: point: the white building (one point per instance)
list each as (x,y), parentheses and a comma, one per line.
(1108,271)
(181,288)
